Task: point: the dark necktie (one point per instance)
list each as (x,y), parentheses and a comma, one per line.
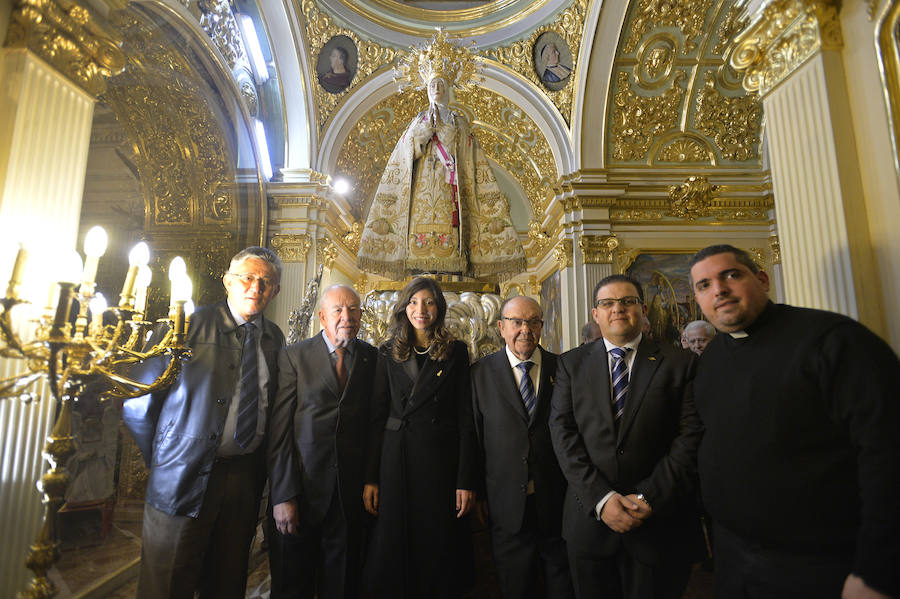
(340,368)
(248,407)
(620,379)
(526,388)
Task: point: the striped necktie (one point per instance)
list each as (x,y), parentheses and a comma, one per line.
(248,407)
(619,379)
(526,388)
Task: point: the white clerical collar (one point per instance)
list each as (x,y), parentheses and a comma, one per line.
(514,360)
(739,334)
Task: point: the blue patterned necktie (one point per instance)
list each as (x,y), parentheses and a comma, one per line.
(620,379)
(526,388)
(248,407)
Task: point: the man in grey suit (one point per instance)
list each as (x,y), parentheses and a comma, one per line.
(626,433)
(203,439)
(317,455)
(511,392)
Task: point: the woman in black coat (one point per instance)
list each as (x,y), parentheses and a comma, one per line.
(422,467)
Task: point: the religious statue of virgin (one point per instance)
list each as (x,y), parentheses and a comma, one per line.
(438,208)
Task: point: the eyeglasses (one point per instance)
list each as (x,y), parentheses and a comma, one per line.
(628,301)
(248,280)
(532,323)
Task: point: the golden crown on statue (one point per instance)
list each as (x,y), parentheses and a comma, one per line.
(442,57)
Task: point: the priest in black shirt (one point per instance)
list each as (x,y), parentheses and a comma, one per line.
(800,460)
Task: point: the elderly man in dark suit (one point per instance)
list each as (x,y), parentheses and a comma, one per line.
(511,392)
(203,439)
(625,431)
(317,455)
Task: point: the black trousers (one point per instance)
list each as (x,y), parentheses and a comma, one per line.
(746,570)
(623,577)
(208,554)
(531,563)
(322,560)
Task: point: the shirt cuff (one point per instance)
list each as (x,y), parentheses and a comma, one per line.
(601,503)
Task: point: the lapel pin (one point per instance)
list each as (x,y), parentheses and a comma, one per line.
(440,372)
(652,359)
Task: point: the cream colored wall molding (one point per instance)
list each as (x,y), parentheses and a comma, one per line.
(784,36)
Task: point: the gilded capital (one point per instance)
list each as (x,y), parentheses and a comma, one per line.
(292,248)
(598,249)
(71,37)
(775,249)
(326,252)
(783,37)
(564,251)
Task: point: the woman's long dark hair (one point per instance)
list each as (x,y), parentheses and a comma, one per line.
(402,331)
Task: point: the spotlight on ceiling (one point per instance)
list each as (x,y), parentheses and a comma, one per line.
(341,186)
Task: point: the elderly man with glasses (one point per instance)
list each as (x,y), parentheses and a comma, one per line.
(511,391)
(626,432)
(203,440)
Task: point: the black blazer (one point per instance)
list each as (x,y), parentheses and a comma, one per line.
(313,428)
(516,449)
(653,450)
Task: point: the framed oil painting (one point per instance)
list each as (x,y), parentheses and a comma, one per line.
(551,337)
(336,64)
(665,277)
(552,60)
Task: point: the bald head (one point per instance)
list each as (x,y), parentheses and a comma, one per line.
(520,325)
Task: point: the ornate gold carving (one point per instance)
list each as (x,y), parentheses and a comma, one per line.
(688,16)
(635,215)
(759,257)
(372,57)
(218,22)
(362,284)
(534,287)
(326,252)
(655,59)
(71,37)
(725,215)
(692,198)
(685,149)
(598,249)
(569,24)
(540,239)
(626,258)
(292,248)
(775,248)
(872,8)
(248,92)
(564,252)
(182,156)
(638,119)
(729,27)
(352,237)
(733,123)
(789,33)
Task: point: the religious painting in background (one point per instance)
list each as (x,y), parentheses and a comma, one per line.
(552,60)
(667,293)
(551,337)
(336,64)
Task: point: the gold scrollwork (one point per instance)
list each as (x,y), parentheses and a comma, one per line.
(564,252)
(692,198)
(598,249)
(352,237)
(759,257)
(775,249)
(741,214)
(685,149)
(626,258)
(688,16)
(732,122)
(181,154)
(540,240)
(71,37)
(292,248)
(372,57)
(518,56)
(655,60)
(789,33)
(218,22)
(729,27)
(326,252)
(534,287)
(639,119)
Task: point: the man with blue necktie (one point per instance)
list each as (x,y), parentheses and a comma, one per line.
(626,432)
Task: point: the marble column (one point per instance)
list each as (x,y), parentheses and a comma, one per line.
(791,55)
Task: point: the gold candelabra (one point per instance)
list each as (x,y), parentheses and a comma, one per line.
(71,356)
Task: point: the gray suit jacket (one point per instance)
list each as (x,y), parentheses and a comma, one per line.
(318,437)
